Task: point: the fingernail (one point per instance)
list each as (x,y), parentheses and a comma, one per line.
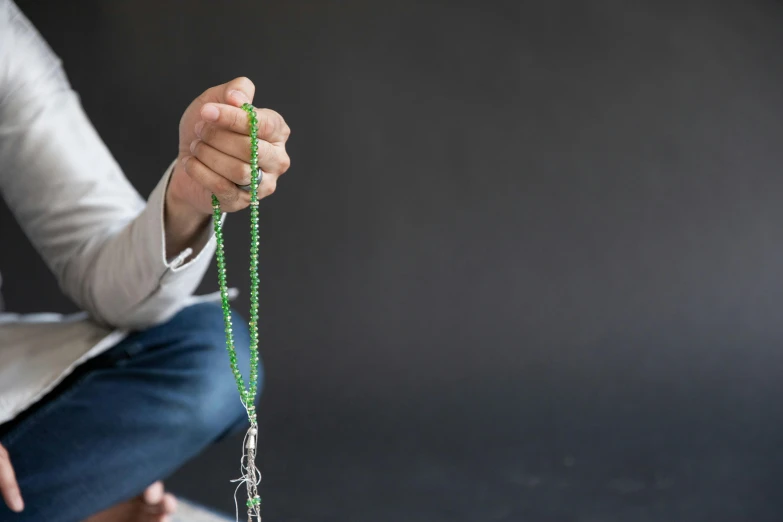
(193,146)
(17,504)
(198,128)
(239,95)
(185,160)
(210,113)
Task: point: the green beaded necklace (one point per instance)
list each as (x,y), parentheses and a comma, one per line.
(251,476)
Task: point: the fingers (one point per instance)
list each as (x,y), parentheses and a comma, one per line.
(221,156)
(231,197)
(169,504)
(154,493)
(271,126)
(159,505)
(220,143)
(227,166)
(8,484)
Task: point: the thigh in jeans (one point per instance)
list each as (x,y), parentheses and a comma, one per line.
(130,417)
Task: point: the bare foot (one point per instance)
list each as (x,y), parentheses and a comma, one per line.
(154,505)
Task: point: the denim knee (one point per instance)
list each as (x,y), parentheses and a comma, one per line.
(212,407)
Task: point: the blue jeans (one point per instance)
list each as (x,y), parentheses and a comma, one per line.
(127,418)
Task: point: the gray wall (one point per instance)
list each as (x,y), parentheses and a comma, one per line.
(554,226)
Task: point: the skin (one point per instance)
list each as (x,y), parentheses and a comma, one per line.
(214,157)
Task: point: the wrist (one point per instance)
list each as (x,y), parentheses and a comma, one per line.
(184,223)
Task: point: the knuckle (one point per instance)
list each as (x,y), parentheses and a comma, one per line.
(285,163)
(269,187)
(278,123)
(242,201)
(264,150)
(231,197)
(265,124)
(227,191)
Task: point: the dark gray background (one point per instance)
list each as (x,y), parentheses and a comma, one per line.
(527,264)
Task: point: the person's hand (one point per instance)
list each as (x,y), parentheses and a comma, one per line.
(8,485)
(214,150)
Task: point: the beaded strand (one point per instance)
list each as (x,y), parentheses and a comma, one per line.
(248,393)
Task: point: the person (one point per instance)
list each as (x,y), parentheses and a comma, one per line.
(96,408)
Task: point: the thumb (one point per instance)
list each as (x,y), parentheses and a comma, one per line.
(236,92)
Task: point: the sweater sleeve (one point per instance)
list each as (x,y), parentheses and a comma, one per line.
(104,243)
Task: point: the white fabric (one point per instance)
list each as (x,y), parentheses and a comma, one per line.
(103,242)
(190,512)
